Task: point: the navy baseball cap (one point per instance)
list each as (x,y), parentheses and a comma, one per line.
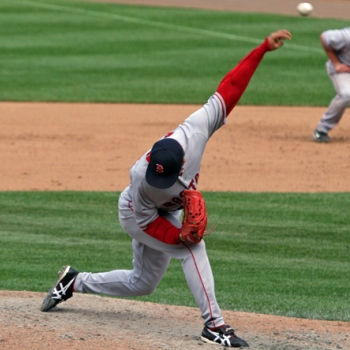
(165,163)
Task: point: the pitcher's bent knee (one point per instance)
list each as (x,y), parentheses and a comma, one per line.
(345,98)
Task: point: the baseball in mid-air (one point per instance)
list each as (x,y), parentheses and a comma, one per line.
(304,9)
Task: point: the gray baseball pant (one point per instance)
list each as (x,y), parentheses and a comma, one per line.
(336,108)
(151,260)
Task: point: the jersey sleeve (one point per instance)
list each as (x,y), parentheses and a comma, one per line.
(335,39)
(204,122)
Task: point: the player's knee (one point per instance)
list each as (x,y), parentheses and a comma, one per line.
(146,289)
(149,290)
(345,97)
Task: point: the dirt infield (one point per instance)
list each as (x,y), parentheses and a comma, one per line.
(57,146)
(85,147)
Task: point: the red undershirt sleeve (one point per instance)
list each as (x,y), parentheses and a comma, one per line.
(163,230)
(236,81)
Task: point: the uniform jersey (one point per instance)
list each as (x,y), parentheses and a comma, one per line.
(193,134)
(339,41)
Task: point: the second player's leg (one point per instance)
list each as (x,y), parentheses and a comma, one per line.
(339,103)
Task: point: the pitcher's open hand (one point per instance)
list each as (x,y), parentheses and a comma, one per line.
(276,39)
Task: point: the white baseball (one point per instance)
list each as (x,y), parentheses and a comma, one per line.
(304,8)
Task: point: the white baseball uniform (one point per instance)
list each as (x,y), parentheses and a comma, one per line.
(339,41)
(151,215)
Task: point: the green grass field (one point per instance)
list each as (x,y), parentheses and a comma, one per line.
(84,51)
(284,254)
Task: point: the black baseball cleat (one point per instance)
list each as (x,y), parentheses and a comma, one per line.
(224,336)
(320,136)
(62,289)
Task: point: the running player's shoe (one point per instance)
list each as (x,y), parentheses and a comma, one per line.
(320,136)
(223,335)
(61,290)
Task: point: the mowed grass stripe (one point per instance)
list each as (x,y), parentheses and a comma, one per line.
(98,52)
(277,253)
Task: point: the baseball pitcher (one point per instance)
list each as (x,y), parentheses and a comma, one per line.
(163,183)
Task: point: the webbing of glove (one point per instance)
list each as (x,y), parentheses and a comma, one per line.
(195,217)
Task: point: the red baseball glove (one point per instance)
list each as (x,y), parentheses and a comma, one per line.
(195,217)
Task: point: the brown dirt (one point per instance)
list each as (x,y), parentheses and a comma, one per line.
(92,146)
(50,146)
